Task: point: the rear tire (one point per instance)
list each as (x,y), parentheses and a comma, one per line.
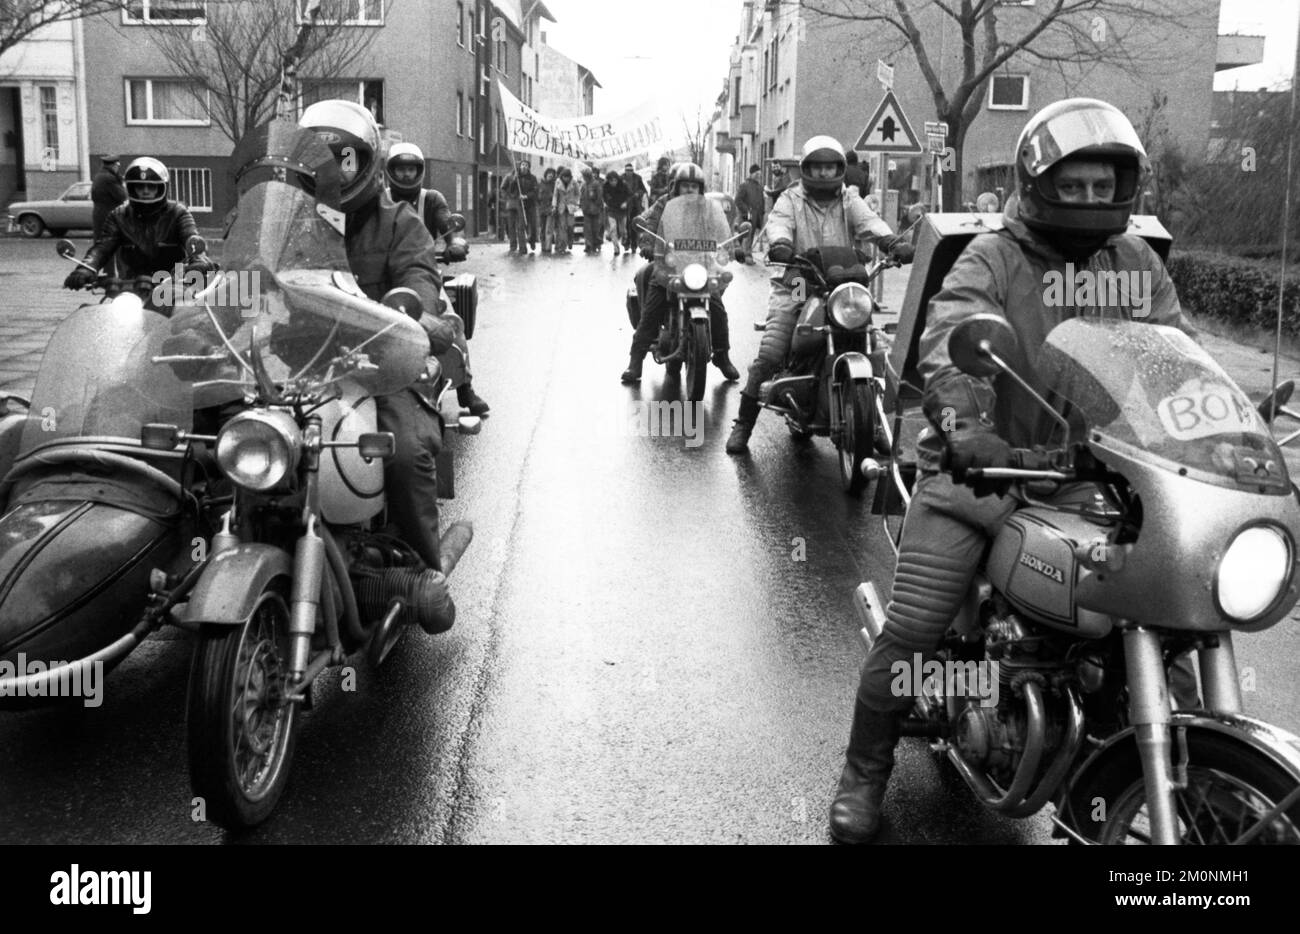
(241,727)
(857,433)
(697,360)
(1230,785)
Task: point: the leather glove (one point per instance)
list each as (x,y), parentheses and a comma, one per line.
(961,409)
(202,264)
(647,253)
(79,278)
(897,247)
(780,251)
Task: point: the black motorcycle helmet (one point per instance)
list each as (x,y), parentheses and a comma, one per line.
(1079,129)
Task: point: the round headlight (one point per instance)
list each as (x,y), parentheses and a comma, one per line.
(695,276)
(258,449)
(850,305)
(1253,572)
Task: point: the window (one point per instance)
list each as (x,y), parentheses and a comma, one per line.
(460,23)
(166,101)
(472,120)
(735,98)
(347,12)
(177,12)
(78,192)
(368,92)
(503,60)
(49,122)
(192,188)
(1009,92)
(460,114)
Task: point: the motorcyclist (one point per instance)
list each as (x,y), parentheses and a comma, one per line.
(820,212)
(1079,167)
(405,170)
(662,180)
(687,180)
(391,256)
(146,234)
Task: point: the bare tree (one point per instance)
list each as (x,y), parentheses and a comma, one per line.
(1072,36)
(20,18)
(238,53)
(695,130)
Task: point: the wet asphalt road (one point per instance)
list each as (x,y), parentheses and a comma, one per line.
(655,641)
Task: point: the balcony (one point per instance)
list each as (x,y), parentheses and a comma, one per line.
(1238,51)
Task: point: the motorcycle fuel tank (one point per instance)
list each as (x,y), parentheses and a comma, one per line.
(812,314)
(1032,564)
(351,490)
(74,575)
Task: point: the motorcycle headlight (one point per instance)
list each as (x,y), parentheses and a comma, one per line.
(259,449)
(695,276)
(1253,572)
(850,305)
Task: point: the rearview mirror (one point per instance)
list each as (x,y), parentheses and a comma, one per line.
(458,222)
(980,345)
(194,246)
(380,444)
(65,249)
(744,227)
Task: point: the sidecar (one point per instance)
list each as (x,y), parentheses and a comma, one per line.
(87,514)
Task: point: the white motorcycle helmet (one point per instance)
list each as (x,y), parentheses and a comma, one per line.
(405,154)
(822,149)
(146,171)
(353,136)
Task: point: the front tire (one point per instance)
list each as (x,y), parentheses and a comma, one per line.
(1229,787)
(697,360)
(241,726)
(857,433)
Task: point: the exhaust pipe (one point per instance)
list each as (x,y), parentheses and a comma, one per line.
(871,612)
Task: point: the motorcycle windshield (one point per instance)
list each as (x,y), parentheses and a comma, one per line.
(1152,389)
(97,378)
(694,226)
(285,295)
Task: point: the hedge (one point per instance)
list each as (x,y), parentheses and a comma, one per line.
(1235,290)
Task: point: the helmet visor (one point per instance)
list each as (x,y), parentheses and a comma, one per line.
(1065,134)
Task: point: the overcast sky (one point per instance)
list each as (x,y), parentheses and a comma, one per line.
(678,49)
(1275,20)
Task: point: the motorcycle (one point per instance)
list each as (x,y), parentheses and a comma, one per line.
(302,571)
(689,256)
(1166,522)
(100,537)
(833,382)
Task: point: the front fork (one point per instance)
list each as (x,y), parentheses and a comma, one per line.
(308,562)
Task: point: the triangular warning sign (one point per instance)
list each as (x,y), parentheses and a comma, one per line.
(888,130)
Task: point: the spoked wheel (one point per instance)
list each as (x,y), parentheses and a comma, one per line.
(857,432)
(241,725)
(697,360)
(1232,796)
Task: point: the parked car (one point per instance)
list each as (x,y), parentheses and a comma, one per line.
(72,210)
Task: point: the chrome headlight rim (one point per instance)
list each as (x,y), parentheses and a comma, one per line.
(846,309)
(695,277)
(1227,601)
(276,431)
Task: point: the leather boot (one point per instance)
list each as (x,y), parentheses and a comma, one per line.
(723,363)
(633,372)
(471,400)
(743,426)
(855,812)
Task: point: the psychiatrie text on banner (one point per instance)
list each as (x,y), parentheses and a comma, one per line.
(593,139)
